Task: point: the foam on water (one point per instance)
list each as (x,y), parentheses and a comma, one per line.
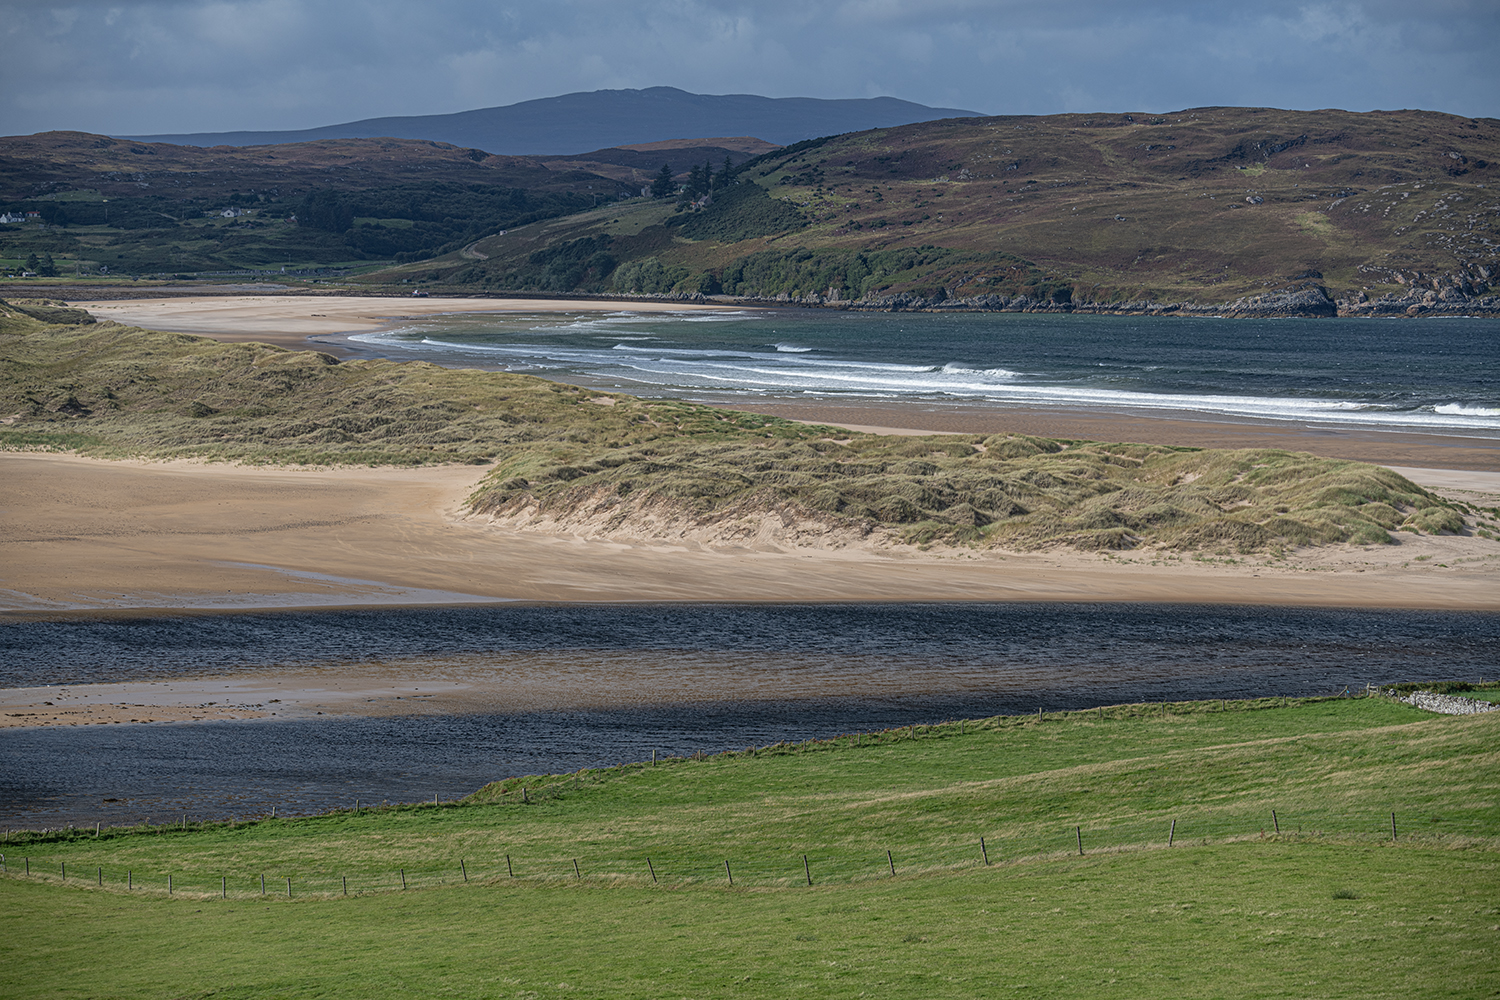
(1396,374)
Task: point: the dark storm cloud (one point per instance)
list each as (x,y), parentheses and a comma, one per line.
(258,64)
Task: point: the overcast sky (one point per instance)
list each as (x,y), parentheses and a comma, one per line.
(194,65)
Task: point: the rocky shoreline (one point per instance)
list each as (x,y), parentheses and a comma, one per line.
(1313,302)
(1310,302)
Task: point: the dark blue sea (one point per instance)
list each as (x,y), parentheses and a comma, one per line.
(1433,375)
(707,677)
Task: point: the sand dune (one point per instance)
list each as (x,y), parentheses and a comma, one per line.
(81,534)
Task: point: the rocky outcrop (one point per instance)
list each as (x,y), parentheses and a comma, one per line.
(1451,300)
(1304,302)
(1313,301)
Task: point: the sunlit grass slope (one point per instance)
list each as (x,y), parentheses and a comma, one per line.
(113,392)
(1332,906)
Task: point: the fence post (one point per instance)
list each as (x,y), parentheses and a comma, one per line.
(262,885)
(728,872)
(169,885)
(65,864)
(653,870)
(346,885)
(1275,823)
(576,872)
(1079,830)
(807,869)
(403,878)
(1172,833)
(101,876)
(508,869)
(463,868)
(288,887)
(129,881)
(983,851)
(890,861)
(1393,826)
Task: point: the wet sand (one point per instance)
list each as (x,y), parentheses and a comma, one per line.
(216,699)
(1381,447)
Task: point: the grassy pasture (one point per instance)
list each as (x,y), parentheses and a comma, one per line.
(1330,907)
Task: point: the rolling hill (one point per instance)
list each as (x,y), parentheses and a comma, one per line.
(1247,211)
(1244,210)
(133,207)
(607,118)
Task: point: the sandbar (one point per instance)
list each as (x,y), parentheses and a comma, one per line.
(290,320)
(80,534)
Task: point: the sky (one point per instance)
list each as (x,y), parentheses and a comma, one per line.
(218,65)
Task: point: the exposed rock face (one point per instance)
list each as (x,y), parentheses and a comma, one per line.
(1306,302)
(1449,301)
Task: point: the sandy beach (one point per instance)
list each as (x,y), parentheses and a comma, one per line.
(84,536)
(289,321)
(81,535)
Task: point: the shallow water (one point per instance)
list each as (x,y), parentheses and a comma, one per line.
(693,678)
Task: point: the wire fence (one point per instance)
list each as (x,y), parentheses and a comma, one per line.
(1039,831)
(788,869)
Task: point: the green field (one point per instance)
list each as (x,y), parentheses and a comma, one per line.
(1333,905)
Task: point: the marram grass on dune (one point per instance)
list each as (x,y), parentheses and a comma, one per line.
(605,460)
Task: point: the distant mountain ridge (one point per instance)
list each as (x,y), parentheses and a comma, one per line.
(602,119)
